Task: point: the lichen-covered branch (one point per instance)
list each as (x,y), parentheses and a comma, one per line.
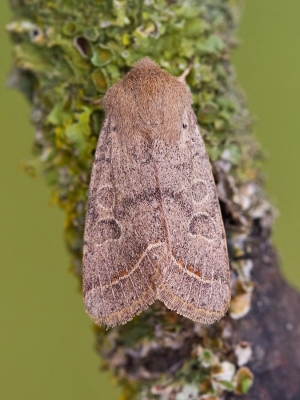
(66,54)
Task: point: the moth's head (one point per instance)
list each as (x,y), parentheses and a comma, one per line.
(149,101)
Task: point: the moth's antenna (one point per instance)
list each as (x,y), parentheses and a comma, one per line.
(185,73)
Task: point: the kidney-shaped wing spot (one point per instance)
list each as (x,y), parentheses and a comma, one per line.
(108,229)
(202,224)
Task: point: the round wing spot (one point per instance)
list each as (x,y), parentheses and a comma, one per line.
(199,191)
(106,197)
(202,224)
(109,229)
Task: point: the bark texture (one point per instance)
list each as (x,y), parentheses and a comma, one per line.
(273,326)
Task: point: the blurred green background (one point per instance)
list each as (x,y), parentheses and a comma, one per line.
(46,338)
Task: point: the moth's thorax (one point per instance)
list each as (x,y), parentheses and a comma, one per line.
(149,102)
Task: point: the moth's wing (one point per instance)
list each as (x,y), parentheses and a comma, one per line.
(196,273)
(124,239)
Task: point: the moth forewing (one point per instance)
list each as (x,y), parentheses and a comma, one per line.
(123,242)
(196,281)
(153,227)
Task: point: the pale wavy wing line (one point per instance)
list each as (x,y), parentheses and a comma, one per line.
(137,265)
(194,275)
(204,310)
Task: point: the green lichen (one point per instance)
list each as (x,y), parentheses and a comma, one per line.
(66,54)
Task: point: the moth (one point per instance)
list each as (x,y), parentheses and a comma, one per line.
(153,226)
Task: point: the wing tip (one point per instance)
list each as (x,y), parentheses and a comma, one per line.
(126,314)
(188,310)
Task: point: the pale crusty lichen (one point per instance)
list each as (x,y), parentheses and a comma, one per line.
(66,55)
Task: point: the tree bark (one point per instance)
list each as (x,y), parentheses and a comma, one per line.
(273,326)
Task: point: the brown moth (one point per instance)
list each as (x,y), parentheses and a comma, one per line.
(153,225)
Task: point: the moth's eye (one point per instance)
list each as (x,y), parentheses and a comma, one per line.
(184,126)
